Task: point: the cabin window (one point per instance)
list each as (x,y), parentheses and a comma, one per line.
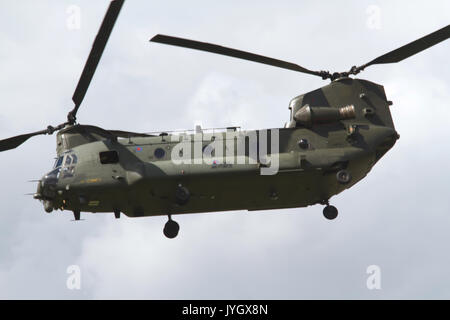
(109,157)
(159,153)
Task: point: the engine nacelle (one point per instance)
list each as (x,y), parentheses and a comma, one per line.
(308,116)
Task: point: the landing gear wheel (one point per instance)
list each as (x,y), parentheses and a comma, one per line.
(182,195)
(343,176)
(48,206)
(171,229)
(330,212)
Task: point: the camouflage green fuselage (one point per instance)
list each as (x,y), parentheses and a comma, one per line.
(143,181)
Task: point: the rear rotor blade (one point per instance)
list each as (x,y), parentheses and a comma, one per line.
(409,49)
(209,47)
(127,134)
(94,56)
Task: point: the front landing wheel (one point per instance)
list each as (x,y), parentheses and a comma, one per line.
(171,229)
(330,212)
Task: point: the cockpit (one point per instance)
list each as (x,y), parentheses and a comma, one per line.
(67,159)
(58,162)
(64,166)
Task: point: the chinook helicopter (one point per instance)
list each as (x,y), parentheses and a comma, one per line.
(333,138)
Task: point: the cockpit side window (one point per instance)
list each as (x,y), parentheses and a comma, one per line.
(69,166)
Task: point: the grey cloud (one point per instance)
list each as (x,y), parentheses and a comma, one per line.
(396,218)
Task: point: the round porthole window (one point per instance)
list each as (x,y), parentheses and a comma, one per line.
(159,153)
(303,143)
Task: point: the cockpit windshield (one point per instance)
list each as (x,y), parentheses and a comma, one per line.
(58,162)
(66,164)
(68,159)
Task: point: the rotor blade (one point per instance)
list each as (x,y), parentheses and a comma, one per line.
(127,134)
(96,52)
(14,142)
(413,47)
(209,47)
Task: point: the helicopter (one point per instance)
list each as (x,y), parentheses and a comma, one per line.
(333,138)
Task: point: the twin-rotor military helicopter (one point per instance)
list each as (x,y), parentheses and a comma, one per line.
(334,136)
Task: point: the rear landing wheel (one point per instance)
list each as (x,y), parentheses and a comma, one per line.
(171,228)
(330,212)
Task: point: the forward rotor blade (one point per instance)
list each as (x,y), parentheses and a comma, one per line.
(412,48)
(94,56)
(14,142)
(209,47)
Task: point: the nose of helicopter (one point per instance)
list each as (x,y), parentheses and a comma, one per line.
(46,188)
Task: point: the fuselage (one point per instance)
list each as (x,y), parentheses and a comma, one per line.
(294,166)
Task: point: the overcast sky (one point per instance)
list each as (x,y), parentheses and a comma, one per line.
(398,218)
